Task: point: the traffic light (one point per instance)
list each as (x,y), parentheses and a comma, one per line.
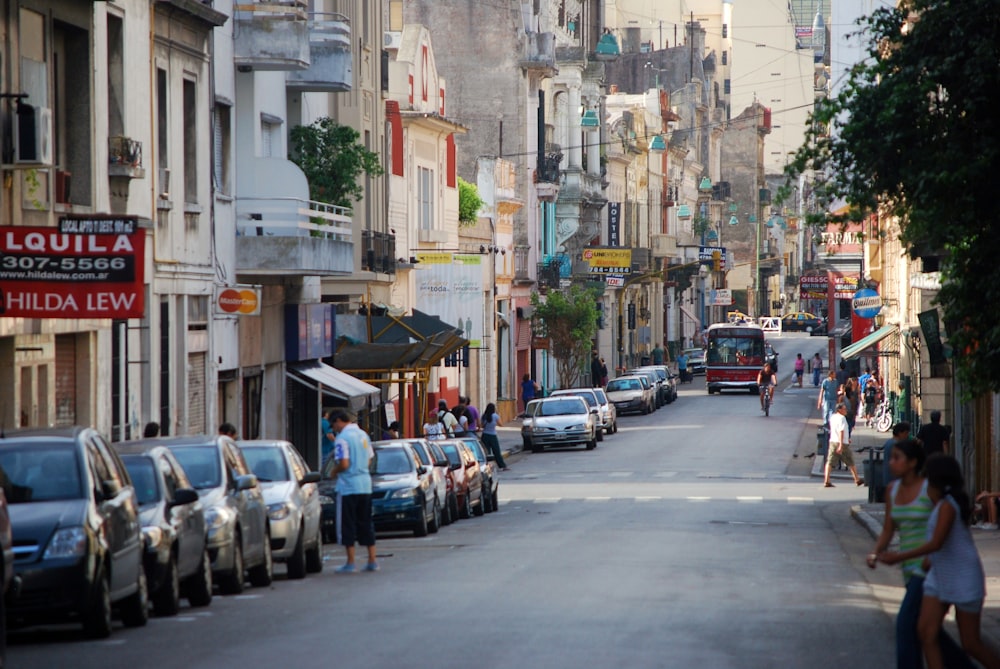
(717,261)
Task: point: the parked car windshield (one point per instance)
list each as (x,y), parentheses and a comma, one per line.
(560,408)
(143,474)
(267,463)
(589,398)
(201,463)
(40,473)
(624,384)
(478,451)
(391,461)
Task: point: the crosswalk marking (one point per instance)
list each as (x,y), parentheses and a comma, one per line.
(597,499)
(547,500)
(750,500)
(800,500)
(740,499)
(699,499)
(648,499)
(664,475)
(620,474)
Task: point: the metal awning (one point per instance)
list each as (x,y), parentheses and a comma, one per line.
(686,312)
(356,393)
(860,346)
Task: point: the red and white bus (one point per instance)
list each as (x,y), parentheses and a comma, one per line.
(735,355)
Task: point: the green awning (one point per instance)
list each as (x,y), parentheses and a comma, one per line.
(858,347)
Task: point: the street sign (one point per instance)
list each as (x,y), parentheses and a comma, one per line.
(867,303)
(721,297)
(614,280)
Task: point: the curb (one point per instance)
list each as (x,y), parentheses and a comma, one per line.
(866,520)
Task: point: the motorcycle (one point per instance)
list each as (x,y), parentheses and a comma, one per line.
(882,420)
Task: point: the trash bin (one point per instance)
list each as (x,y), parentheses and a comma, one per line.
(822,440)
(873,476)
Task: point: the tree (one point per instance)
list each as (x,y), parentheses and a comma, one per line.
(332,160)
(569,321)
(469,202)
(914,134)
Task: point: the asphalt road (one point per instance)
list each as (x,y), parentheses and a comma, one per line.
(692,538)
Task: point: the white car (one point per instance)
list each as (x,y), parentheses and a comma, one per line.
(560,421)
(595,397)
(629,393)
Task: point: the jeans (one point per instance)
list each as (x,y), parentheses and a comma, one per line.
(909,652)
(816,373)
(491,442)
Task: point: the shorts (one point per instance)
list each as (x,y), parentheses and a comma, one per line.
(845,456)
(971,606)
(354,520)
(799,373)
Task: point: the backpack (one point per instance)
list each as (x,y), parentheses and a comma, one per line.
(444,426)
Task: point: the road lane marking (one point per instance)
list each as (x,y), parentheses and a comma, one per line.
(699,499)
(547,500)
(750,500)
(620,474)
(648,499)
(596,499)
(801,500)
(664,475)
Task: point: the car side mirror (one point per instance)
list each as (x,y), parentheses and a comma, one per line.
(421,470)
(110,488)
(184,496)
(442,463)
(246,482)
(595,412)
(310,477)
(455,467)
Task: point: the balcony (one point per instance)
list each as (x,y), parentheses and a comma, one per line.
(641,260)
(282,236)
(664,246)
(271,35)
(125,158)
(547,176)
(378,252)
(522,268)
(540,54)
(330,70)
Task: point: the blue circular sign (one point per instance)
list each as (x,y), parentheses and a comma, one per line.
(867,303)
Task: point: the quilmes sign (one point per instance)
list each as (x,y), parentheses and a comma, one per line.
(866,303)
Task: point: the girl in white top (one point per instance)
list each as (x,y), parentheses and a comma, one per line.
(433,429)
(956,573)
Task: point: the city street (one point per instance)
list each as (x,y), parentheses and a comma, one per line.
(692,538)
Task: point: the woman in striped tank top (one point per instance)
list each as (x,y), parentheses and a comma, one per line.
(956,573)
(908,507)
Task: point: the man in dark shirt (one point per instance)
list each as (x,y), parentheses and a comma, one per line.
(595,370)
(934,435)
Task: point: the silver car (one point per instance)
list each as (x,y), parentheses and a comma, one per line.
(630,393)
(593,396)
(293,505)
(560,421)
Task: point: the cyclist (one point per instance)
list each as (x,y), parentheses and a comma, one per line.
(766,381)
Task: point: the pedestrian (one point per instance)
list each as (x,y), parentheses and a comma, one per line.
(595,370)
(900,432)
(472,412)
(228,430)
(658,354)
(956,575)
(461,427)
(986,506)
(852,397)
(817,365)
(151,430)
(391,432)
(604,373)
(870,394)
(491,421)
(447,419)
(353,453)
(800,369)
(326,437)
(529,389)
(908,509)
(827,400)
(682,367)
(862,384)
(934,436)
(839,450)
(842,374)
(433,429)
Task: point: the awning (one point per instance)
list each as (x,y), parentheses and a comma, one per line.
(356,393)
(697,321)
(858,347)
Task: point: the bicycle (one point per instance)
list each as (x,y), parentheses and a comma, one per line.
(766,400)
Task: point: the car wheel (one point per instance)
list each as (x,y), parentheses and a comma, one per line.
(537,448)
(495,499)
(420,529)
(755,390)
(198,588)
(466,511)
(484,494)
(480,508)
(592,444)
(135,607)
(452,508)
(314,557)
(262,575)
(97,617)
(525,444)
(231,582)
(435,523)
(296,562)
(167,600)
(615,430)
(600,434)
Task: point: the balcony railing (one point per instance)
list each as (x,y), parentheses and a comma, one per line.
(271,35)
(378,252)
(331,66)
(125,157)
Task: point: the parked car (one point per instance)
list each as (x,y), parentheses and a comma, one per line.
(239,540)
(293,507)
(327,489)
(176,555)
(628,394)
(590,397)
(443,486)
(467,476)
(6,564)
(654,383)
(670,380)
(609,414)
(402,494)
(664,388)
(801,321)
(76,531)
(696,360)
(489,475)
(560,421)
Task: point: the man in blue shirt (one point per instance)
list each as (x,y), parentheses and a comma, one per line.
(682,367)
(326,438)
(353,453)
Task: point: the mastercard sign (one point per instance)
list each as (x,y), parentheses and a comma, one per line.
(240,300)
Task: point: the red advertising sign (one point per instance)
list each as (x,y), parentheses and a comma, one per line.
(844,287)
(88,267)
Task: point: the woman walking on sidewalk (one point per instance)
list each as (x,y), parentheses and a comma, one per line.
(491,421)
(956,572)
(908,507)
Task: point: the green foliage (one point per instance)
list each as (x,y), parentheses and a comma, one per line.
(914,134)
(469,202)
(332,160)
(569,320)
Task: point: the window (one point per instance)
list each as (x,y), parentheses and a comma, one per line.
(270,141)
(116,78)
(222,147)
(197,308)
(727,87)
(725,57)
(725,30)
(190,142)
(425,197)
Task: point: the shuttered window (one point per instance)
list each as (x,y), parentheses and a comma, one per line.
(222,136)
(196,393)
(65,380)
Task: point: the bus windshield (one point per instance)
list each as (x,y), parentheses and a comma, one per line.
(735,347)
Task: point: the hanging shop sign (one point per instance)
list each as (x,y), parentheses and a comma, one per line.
(450,286)
(867,303)
(88,267)
(604,260)
(844,287)
(239,300)
(813,287)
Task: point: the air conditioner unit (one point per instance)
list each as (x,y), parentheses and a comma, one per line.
(391,40)
(32,135)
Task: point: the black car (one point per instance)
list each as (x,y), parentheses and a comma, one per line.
(327,488)
(173,526)
(77,538)
(402,494)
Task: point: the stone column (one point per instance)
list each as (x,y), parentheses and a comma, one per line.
(575,135)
